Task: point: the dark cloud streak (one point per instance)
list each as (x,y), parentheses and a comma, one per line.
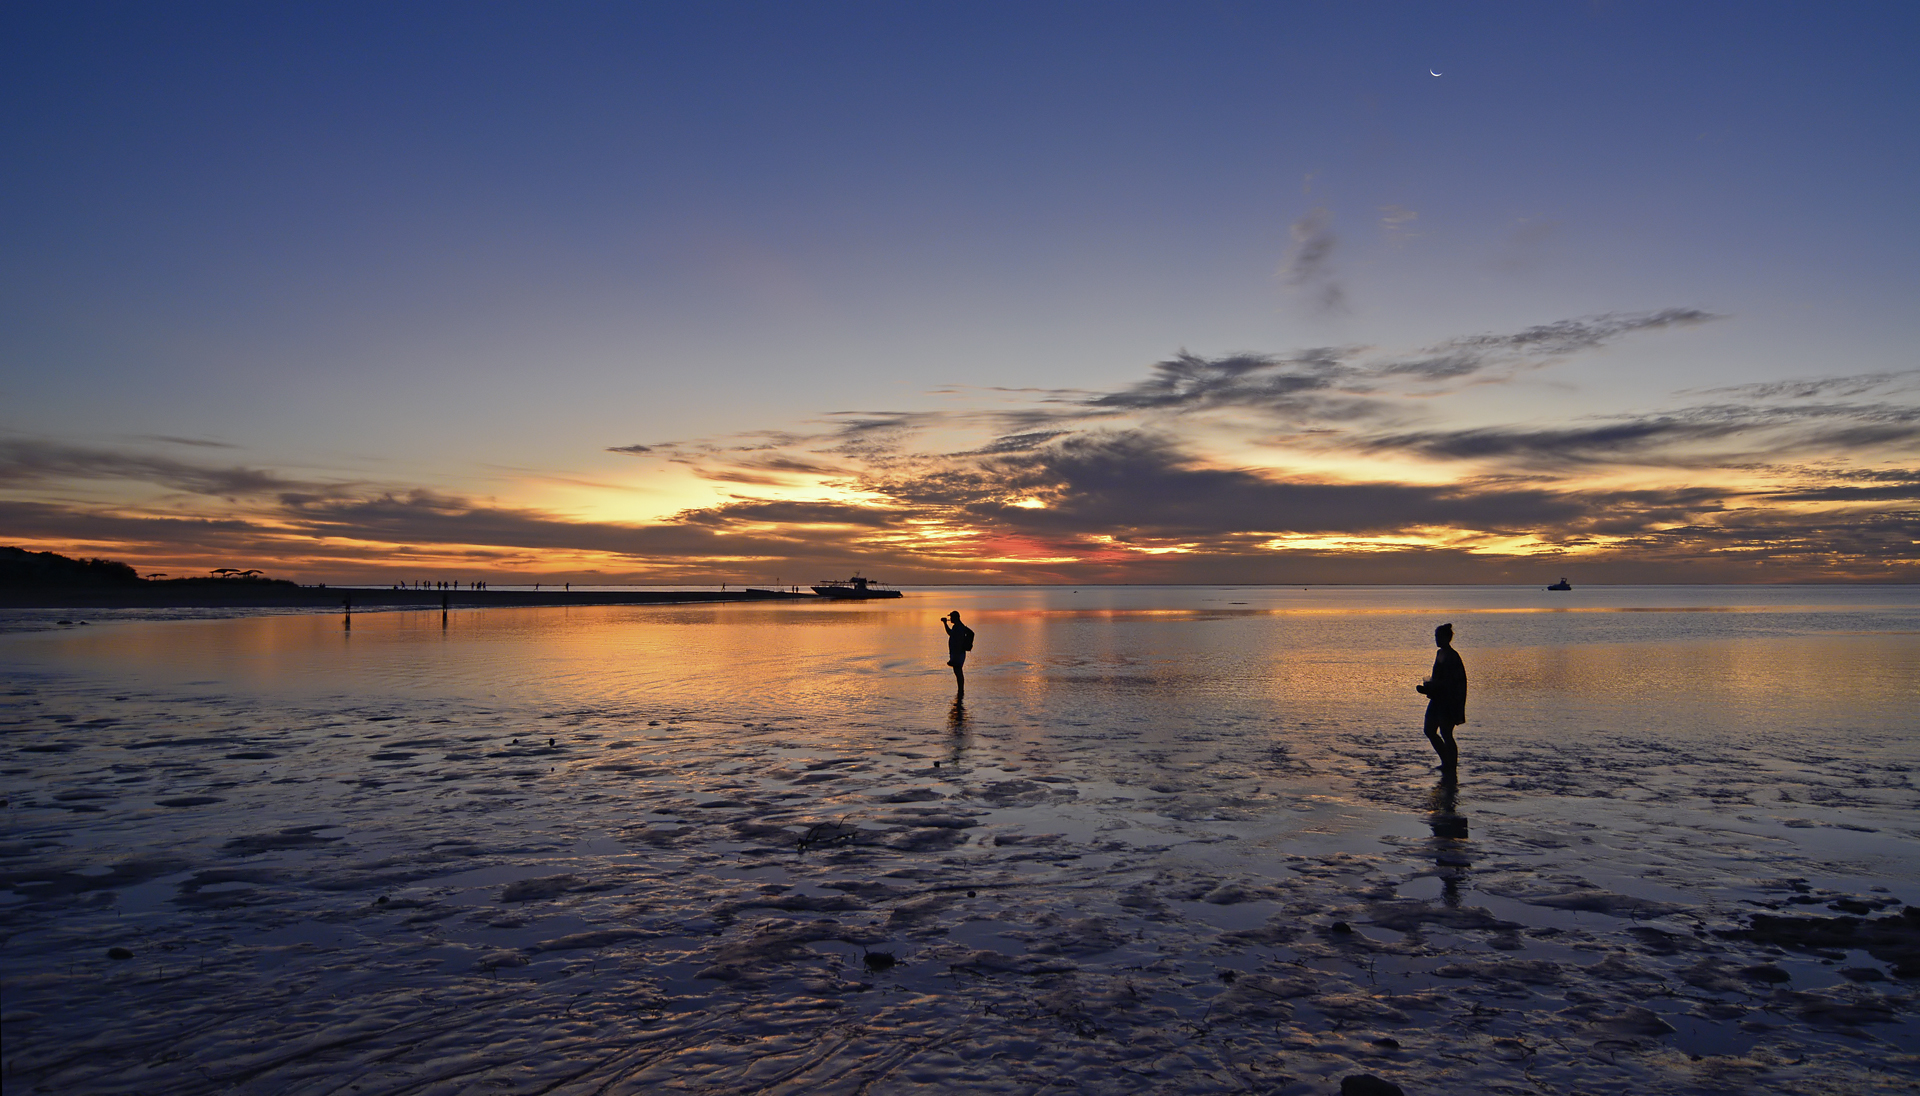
(25,462)
(1652,437)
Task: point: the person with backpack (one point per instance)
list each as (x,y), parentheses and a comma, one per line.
(959,642)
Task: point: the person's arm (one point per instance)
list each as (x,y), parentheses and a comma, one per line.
(1434,685)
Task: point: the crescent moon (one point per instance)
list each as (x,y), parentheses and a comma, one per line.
(1430,72)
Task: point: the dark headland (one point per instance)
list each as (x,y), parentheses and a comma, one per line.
(46,580)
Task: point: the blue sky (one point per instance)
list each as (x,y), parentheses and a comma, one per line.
(349,290)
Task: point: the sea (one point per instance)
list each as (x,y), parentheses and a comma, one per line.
(1172,839)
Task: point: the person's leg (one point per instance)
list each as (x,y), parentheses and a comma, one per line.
(1431,728)
(1450,755)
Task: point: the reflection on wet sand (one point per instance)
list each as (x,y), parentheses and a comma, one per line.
(959,730)
(1451,861)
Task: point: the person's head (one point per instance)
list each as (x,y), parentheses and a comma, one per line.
(954,616)
(1443,635)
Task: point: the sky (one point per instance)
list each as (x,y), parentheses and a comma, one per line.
(981,292)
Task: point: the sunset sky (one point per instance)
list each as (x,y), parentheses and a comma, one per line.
(964,292)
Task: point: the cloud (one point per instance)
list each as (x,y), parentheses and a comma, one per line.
(1584,443)
(1655,437)
(1014,443)
(1899,485)
(762,469)
(1859,384)
(794,513)
(1309,263)
(1137,483)
(792,465)
(429,517)
(1338,382)
(1537,345)
(27,520)
(740,476)
(1525,246)
(1188,382)
(874,435)
(24,461)
(1201,468)
(1116,499)
(199,443)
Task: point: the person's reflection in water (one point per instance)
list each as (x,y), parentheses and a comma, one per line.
(1450,859)
(960,730)
(1446,693)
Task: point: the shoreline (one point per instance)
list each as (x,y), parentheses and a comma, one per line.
(337,597)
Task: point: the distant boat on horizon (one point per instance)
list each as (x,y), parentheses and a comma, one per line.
(853,589)
(1563,584)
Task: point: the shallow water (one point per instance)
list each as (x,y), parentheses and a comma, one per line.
(350,856)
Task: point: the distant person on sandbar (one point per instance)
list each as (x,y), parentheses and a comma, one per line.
(959,642)
(1446,693)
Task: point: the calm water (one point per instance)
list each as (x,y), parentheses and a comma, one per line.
(1673,660)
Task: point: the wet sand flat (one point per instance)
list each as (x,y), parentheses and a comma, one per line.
(231,890)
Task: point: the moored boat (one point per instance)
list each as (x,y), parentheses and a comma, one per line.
(853,589)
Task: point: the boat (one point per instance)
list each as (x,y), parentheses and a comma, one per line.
(1563,584)
(853,589)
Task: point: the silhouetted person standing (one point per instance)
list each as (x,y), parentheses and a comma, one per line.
(959,642)
(1446,693)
